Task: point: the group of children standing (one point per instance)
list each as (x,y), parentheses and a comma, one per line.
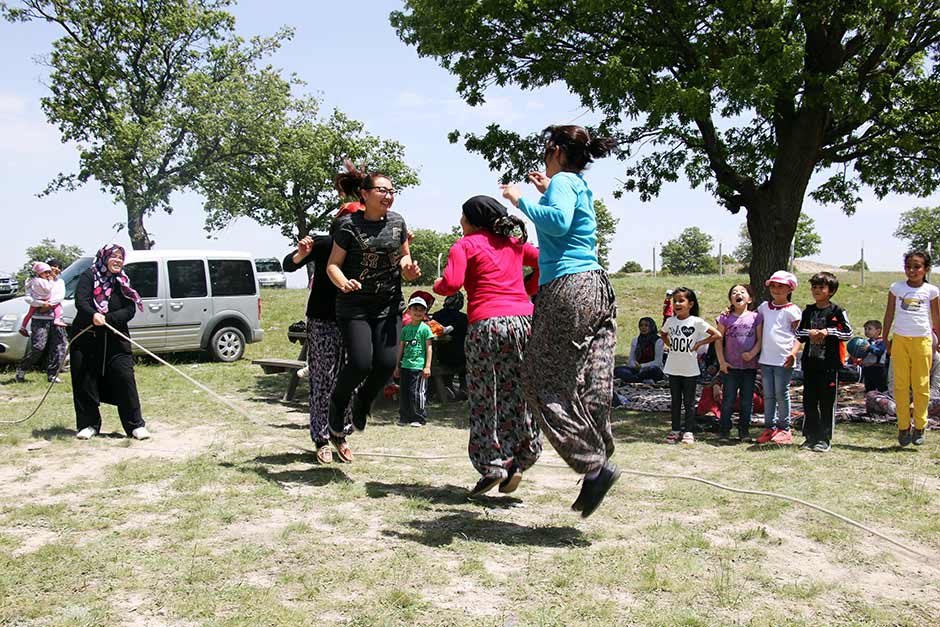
(772,336)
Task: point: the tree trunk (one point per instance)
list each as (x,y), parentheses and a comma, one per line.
(771,223)
(140,239)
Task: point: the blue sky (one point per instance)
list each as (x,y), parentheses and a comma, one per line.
(353,60)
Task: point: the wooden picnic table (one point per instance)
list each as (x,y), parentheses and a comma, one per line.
(439,372)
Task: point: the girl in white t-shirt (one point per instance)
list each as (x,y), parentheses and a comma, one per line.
(683,334)
(914,311)
(778,355)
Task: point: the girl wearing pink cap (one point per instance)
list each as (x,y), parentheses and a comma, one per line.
(39,290)
(778,355)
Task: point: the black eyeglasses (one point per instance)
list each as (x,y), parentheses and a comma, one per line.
(385,191)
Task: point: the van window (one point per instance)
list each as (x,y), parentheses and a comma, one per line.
(268,265)
(187,278)
(232,277)
(143,276)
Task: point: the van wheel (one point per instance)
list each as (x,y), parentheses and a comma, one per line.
(227,344)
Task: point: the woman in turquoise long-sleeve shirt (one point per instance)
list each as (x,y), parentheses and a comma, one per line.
(569,360)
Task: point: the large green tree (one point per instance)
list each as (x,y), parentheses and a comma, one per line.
(48,248)
(290,183)
(606,229)
(153,93)
(748,99)
(806,241)
(689,253)
(427,246)
(919,227)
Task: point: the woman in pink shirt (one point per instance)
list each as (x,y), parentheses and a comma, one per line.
(488,262)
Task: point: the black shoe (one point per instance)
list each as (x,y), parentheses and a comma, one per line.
(744,436)
(822,447)
(360,414)
(484,485)
(917,437)
(402,422)
(20,377)
(724,437)
(594,490)
(510,483)
(808,444)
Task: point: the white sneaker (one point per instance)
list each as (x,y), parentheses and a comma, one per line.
(87,433)
(140,433)
(303,372)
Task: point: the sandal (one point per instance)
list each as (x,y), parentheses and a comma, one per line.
(342,449)
(324,455)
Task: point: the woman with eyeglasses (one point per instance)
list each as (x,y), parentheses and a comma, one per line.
(370,255)
(569,359)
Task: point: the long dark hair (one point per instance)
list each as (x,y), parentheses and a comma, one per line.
(577,145)
(689,296)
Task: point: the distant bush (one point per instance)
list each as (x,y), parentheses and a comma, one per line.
(856,267)
(631,266)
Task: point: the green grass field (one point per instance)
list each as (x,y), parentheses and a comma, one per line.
(225,520)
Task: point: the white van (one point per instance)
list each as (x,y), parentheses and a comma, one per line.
(193,300)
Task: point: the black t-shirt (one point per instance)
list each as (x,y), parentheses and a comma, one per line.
(452,353)
(321,303)
(373,252)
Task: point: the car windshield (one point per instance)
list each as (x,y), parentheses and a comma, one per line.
(268,265)
(70,275)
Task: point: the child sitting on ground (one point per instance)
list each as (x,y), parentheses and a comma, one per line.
(414,366)
(874,362)
(39,290)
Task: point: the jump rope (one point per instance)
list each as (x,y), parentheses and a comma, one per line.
(640,473)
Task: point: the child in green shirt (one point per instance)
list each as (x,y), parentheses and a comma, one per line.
(414,359)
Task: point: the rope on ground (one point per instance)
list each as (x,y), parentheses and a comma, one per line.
(48,389)
(714,484)
(708,482)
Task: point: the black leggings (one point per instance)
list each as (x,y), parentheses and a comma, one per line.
(682,390)
(371,356)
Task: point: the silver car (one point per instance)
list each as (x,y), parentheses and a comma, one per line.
(193,300)
(8,285)
(270,273)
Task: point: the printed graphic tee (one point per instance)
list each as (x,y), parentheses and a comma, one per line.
(912,308)
(414,338)
(683,334)
(373,251)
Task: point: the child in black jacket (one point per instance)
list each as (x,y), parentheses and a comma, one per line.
(823,329)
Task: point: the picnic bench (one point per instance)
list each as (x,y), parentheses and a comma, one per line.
(439,372)
(290,366)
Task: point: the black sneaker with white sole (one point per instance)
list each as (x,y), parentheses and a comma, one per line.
(822,447)
(594,490)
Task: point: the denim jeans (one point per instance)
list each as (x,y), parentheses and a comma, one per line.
(737,380)
(776,381)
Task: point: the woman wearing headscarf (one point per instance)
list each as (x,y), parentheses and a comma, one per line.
(102,366)
(569,361)
(488,262)
(645,361)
